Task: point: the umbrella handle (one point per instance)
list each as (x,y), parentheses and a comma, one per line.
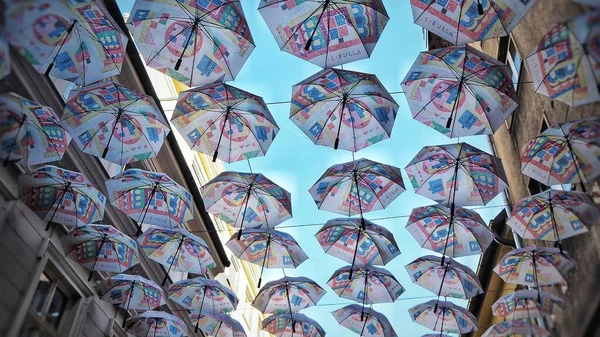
(62,44)
(310,39)
(479,8)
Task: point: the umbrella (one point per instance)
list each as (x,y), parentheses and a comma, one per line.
(131,292)
(270,248)
(523,304)
(225,122)
(101,248)
(366,285)
(444,317)
(460,91)
(462,235)
(194,42)
(150,197)
(589,3)
(517,328)
(292,325)
(77,41)
(4,55)
(456,175)
(564,65)
(465,21)
(30,132)
(448,279)
(357,187)
(288,294)
(553,215)
(326,32)
(156,324)
(249,198)
(346,239)
(218,325)
(113,122)
(342,108)
(177,248)
(565,153)
(61,196)
(364,321)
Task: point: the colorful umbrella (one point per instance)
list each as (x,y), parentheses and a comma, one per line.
(553,215)
(61,196)
(565,153)
(194,42)
(448,279)
(565,66)
(465,21)
(177,248)
(218,325)
(4,55)
(77,41)
(131,292)
(249,198)
(589,3)
(365,322)
(342,108)
(270,248)
(288,294)
(456,175)
(523,304)
(150,197)
(292,325)
(357,187)
(346,239)
(30,132)
(222,119)
(111,121)
(156,324)
(443,317)
(326,32)
(459,233)
(101,248)
(460,91)
(517,328)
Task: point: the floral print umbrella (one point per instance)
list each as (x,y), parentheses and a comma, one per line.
(4,55)
(292,325)
(194,42)
(343,109)
(364,321)
(326,32)
(523,304)
(444,317)
(224,122)
(520,327)
(156,324)
(288,294)
(218,325)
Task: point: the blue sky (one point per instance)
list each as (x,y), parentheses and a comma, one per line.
(295,163)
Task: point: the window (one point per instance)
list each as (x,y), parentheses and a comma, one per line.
(513,59)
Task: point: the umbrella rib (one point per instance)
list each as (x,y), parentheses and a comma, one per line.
(334,4)
(211,38)
(302,24)
(437,95)
(97,131)
(239,117)
(365,183)
(106,51)
(173,38)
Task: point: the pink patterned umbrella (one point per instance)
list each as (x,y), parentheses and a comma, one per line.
(519,327)
(524,304)
(287,295)
(444,317)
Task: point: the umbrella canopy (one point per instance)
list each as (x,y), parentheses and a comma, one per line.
(460,91)
(288,294)
(218,325)
(553,215)
(534,267)
(150,197)
(565,66)
(465,21)
(225,122)
(459,233)
(523,304)
(111,121)
(444,317)
(517,328)
(456,175)
(194,42)
(342,238)
(343,109)
(270,248)
(448,279)
(565,153)
(364,321)
(357,187)
(101,248)
(247,198)
(203,295)
(61,196)
(292,325)
(4,55)
(326,32)
(156,324)
(77,41)
(30,132)
(178,249)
